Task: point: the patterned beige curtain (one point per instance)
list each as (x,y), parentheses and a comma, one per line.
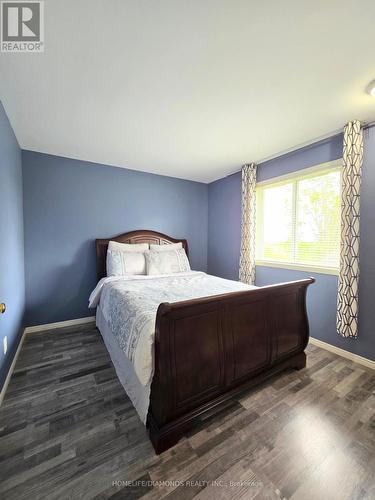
(247,258)
(347,302)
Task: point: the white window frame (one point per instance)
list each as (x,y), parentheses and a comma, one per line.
(335,165)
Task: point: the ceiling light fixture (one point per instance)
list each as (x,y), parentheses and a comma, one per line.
(371,88)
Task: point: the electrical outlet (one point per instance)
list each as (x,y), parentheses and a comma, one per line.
(5,344)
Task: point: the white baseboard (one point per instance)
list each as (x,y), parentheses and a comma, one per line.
(345,354)
(60,324)
(11,369)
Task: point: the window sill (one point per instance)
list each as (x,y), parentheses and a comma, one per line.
(299,267)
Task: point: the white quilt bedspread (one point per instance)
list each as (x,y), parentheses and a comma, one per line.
(129,305)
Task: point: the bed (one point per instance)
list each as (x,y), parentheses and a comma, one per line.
(224,338)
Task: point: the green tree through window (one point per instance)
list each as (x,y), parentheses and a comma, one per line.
(298,220)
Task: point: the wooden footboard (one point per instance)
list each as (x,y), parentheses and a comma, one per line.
(208,350)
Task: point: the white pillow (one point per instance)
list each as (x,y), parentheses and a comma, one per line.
(127,247)
(174,261)
(124,259)
(166,248)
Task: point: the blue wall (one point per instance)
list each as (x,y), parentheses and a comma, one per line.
(224,235)
(224,226)
(12,281)
(68,203)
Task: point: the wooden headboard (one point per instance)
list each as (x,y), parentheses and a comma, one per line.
(140,236)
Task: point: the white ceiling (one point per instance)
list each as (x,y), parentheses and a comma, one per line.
(190,88)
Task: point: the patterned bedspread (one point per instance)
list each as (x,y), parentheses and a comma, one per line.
(129,305)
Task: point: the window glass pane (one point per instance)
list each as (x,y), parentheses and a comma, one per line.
(318,220)
(277,223)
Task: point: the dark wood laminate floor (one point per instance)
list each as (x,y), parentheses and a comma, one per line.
(67,430)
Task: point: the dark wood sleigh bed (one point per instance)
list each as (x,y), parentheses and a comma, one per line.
(208,350)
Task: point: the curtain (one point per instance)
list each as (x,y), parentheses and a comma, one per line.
(347,302)
(247,257)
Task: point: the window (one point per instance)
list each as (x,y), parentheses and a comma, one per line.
(298,220)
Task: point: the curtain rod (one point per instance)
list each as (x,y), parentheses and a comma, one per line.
(365,126)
